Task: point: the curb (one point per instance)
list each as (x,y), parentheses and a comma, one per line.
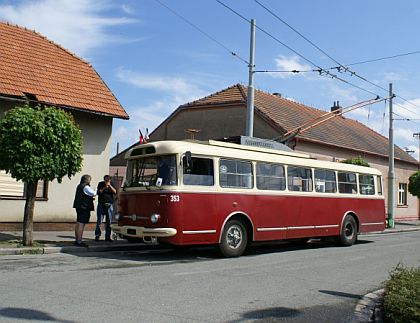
(67,249)
(370,308)
(389,231)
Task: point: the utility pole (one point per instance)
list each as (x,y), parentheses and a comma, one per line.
(250,94)
(417,135)
(391,175)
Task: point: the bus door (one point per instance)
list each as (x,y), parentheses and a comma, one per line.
(271,214)
(199,200)
(300,219)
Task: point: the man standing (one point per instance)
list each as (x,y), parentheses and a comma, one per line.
(106,193)
(83,203)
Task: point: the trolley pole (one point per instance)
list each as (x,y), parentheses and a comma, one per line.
(250,94)
(391,175)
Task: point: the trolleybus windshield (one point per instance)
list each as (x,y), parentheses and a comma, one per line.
(151,171)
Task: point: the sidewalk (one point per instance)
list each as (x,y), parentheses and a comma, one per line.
(62,241)
(46,242)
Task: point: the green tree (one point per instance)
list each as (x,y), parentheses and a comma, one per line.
(356,161)
(41,143)
(414,184)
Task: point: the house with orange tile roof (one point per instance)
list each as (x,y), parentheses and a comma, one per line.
(223,114)
(35,70)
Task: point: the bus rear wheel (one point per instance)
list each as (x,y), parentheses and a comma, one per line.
(348,234)
(234,239)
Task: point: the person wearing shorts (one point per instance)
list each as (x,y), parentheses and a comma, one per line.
(83,203)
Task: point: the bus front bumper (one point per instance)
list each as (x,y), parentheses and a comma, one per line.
(141,232)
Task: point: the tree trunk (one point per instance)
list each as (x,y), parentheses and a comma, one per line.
(28,218)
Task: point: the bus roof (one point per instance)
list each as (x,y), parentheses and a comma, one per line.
(232,150)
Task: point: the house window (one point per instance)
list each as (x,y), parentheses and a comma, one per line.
(402,194)
(10,188)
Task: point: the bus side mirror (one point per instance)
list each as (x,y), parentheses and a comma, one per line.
(188,162)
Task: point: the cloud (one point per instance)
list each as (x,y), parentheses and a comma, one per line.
(78,25)
(403,134)
(284,63)
(172,92)
(408,110)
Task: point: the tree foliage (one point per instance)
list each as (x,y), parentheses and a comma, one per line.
(414,184)
(41,143)
(356,161)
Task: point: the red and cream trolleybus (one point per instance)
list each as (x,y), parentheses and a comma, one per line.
(215,192)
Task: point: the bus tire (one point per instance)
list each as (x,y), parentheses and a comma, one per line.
(234,239)
(348,233)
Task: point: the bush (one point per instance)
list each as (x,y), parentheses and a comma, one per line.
(356,161)
(402,295)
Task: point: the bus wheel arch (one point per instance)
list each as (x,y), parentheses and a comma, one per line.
(235,235)
(349,230)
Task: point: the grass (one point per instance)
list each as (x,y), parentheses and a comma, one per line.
(18,244)
(402,295)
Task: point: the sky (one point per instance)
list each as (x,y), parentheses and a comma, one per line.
(155,55)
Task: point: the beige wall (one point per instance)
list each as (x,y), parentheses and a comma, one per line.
(213,123)
(96,132)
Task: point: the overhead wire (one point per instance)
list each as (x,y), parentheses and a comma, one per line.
(341,66)
(383,58)
(202,31)
(320,70)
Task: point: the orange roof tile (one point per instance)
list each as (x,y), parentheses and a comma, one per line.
(30,63)
(286,115)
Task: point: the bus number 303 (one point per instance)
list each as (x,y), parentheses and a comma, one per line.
(174,198)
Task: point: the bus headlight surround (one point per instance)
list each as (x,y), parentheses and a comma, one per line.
(155,217)
(133,217)
(117,216)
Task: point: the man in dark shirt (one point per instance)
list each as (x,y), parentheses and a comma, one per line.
(106,193)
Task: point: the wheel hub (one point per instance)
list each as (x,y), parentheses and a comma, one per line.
(234,237)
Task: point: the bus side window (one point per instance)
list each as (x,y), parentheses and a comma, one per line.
(299,179)
(198,172)
(235,174)
(347,183)
(379,184)
(366,184)
(270,177)
(325,181)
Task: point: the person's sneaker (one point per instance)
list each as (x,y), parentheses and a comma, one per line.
(109,240)
(96,238)
(80,244)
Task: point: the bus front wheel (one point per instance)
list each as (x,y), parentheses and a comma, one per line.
(234,239)
(348,234)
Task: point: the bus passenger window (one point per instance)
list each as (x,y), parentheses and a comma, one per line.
(200,172)
(325,181)
(270,177)
(379,184)
(299,179)
(347,183)
(366,184)
(235,174)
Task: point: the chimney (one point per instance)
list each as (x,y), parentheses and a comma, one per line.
(336,107)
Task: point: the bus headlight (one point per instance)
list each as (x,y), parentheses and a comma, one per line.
(117,216)
(133,217)
(155,217)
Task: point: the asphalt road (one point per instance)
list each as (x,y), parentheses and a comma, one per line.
(316,282)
